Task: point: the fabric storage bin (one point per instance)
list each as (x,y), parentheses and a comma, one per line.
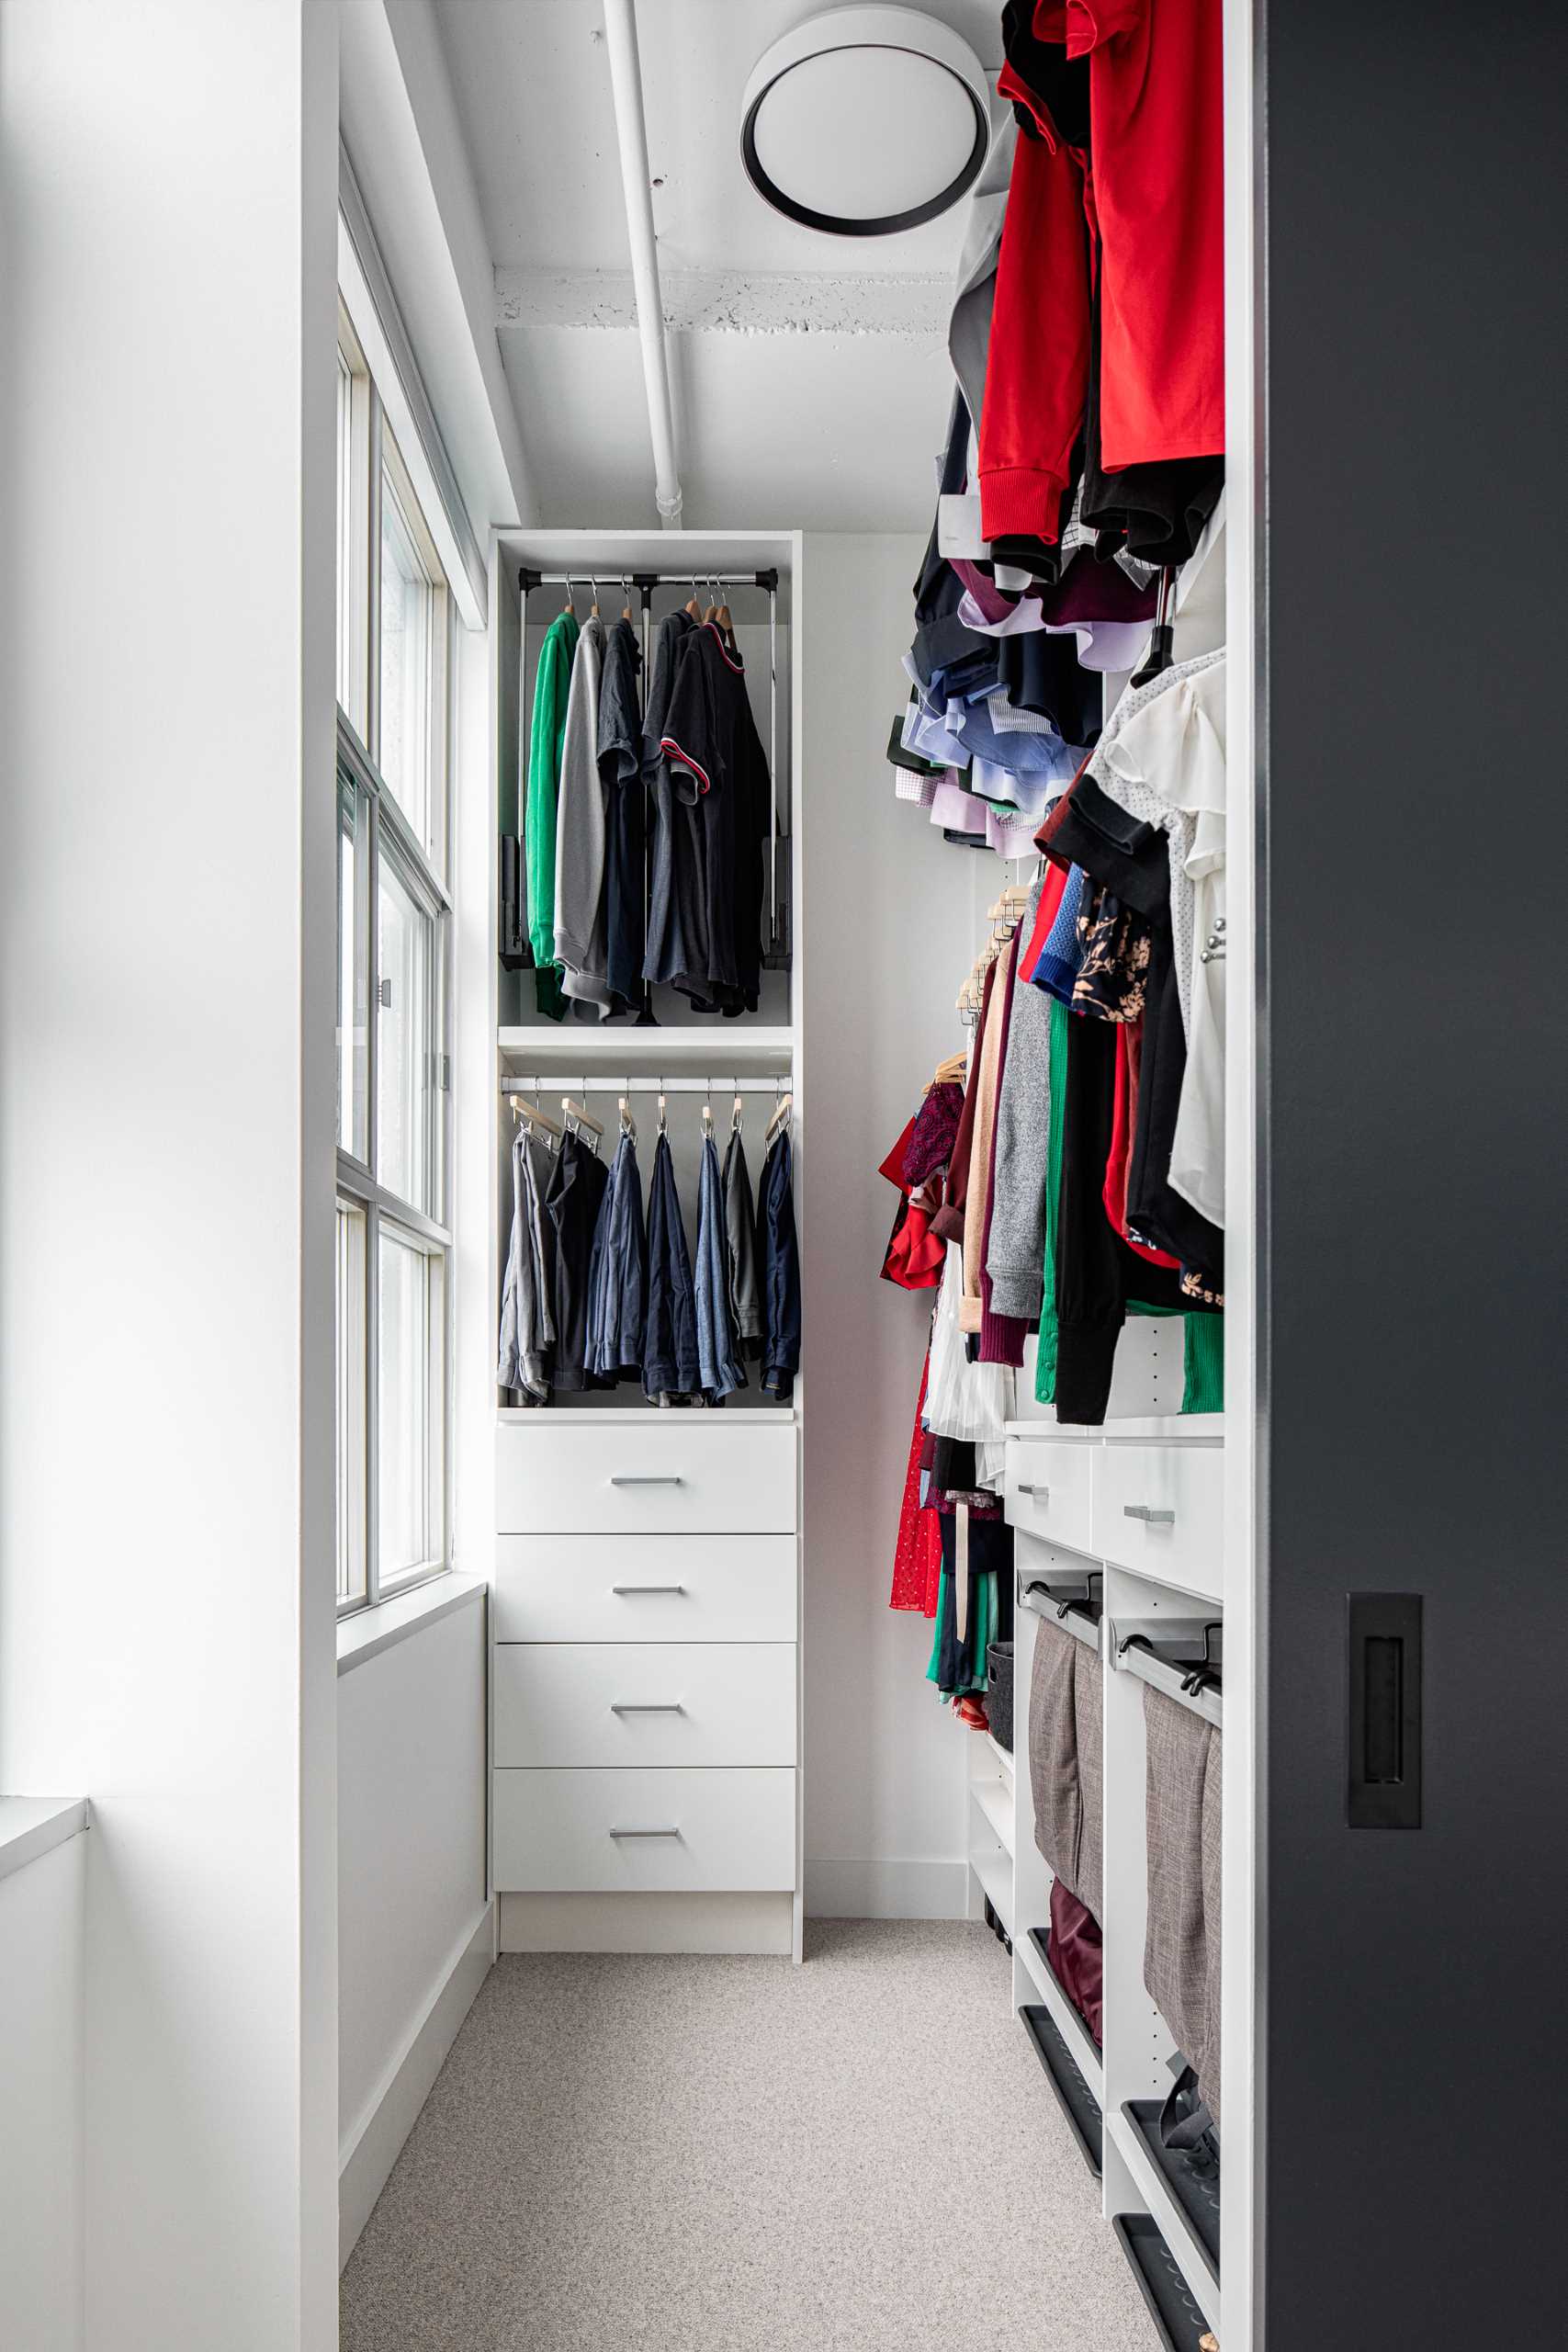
(998,1692)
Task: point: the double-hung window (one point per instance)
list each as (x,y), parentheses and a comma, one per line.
(394,1240)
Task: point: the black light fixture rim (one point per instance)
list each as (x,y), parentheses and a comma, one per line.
(886,224)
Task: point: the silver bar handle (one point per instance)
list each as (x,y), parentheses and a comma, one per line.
(1042,1494)
(1150,1518)
(645,1833)
(662,1480)
(648,1588)
(646,1707)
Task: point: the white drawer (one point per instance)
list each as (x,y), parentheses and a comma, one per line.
(684,1471)
(646,1702)
(644,1589)
(717,1830)
(1159,1509)
(1047,1487)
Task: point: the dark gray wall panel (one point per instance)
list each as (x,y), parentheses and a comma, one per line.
(1416,2059)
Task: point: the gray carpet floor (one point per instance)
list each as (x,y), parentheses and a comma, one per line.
(738,2156)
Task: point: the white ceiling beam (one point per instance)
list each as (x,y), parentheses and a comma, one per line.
(746,303)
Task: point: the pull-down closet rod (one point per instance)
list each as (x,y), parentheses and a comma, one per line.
(528,580)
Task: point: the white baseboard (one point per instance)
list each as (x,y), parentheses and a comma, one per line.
(738,1923)
(369,2152)
(879,1889)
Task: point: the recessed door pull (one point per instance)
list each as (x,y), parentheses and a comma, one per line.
(1150,1518)
(648,1588)
(661,1480)
(1041,1494)
(646,1707)
(645,1833)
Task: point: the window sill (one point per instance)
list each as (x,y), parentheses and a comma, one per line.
(33,1826)
(369,1632)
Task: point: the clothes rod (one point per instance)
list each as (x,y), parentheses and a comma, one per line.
(1054,1612)
(721,1083)
(1162,1676)
(528,580)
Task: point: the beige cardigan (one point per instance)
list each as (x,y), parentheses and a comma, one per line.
(987,1081)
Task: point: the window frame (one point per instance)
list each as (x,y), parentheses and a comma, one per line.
(421,869)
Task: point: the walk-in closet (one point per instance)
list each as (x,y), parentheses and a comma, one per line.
(781,1330)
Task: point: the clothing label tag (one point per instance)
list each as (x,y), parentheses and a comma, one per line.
(958,527)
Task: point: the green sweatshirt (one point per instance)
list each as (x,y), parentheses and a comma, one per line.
(551,685)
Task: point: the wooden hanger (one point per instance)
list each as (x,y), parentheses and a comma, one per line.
(530,1114)
(713,608)
(693,605)
(628,1124)
(579,1120)
(781,1118)
(626,593)
(593,608)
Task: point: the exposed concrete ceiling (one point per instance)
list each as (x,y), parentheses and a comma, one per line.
(810,372)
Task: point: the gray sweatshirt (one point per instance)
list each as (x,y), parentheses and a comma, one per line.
(581,832)
(1015,1258)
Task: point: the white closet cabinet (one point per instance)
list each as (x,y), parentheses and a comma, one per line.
(646,1711)
(1111,2095)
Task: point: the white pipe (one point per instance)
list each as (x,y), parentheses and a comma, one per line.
(631,131)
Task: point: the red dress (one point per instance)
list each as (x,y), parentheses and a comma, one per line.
(917,1561)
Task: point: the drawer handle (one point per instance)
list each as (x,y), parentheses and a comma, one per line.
(648,1588)
(646,1707)
(1041,1494)
(661,1479)
(1150,1518)
(645,1833)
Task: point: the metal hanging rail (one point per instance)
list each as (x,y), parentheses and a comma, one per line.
(721,1082)
(1168,1654)
(528,580)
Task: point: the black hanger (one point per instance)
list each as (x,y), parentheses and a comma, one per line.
(1160,653)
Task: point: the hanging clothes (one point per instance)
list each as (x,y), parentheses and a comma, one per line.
(673,910)
(718,1363)
(975,1604)
(740,1248)
(1014,1252)
(721,769)
(780,1269)
(1181,1944)
(581,832)
(620,773)
(1156,132)
(917,1555)
(573,1204)
(988,1083)
(552,685)
(527,1325)
(617,1287)
(1037,363)
(669,1368)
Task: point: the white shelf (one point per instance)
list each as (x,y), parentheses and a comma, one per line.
(1064,2018)
(724,1049)
(1003,1756)
(995,1882)
(1174,2226)
(639,1416)
(994,1799)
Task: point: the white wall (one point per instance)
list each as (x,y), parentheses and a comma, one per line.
(41,2027)
(167,181)
(410,1883)
(887,933)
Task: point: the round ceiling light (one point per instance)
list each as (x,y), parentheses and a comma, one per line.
(865,120)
